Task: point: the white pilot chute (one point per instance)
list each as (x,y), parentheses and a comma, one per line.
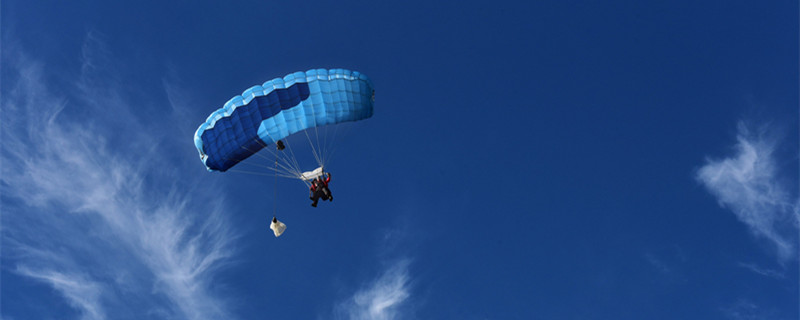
(277,227)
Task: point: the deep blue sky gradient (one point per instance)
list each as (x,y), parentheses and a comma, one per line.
(532,160)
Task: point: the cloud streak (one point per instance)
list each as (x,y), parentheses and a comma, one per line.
(747,310)
(747,184)
(81,293)
(381,299)
(763,271)
(91,206)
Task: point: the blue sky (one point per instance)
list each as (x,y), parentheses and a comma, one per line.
(526,160)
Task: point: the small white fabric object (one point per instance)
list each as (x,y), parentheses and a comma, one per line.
(277,227)
(311,175)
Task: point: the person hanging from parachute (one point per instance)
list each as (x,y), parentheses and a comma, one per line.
(319,189)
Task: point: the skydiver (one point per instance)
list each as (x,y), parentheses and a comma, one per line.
(319,189)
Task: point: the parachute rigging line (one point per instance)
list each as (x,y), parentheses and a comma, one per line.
(275,187)
(289,172)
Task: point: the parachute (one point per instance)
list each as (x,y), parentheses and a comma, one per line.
(268,113)
(277,227)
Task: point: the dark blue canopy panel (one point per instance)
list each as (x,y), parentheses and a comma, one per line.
(278,108)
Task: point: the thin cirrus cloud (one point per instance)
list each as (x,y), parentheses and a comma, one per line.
(80,292)
(748,184)
(763,271)
(83,212)
(384,298)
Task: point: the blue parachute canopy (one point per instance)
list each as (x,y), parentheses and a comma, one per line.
(278,108)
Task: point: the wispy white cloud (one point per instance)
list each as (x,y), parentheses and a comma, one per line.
(762,271)
(82,293)
(748,184)
(381,299)
(91,202)
(747,310)
(667,265)
(657,263)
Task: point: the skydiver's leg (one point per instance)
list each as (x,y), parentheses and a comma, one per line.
(328,193)
(317,194)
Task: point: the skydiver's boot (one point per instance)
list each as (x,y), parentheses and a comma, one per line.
(314,204)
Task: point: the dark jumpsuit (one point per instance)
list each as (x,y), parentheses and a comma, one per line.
(319,189)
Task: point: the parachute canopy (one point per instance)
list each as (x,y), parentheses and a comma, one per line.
(264,114)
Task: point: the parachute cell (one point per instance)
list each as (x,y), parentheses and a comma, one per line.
(264,114)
